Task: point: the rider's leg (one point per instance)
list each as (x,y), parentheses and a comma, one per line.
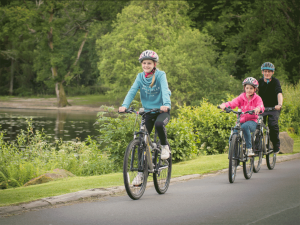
(160,126)
(248,127)
(274,129)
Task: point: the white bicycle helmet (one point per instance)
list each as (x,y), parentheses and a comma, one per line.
(148,54)
(252,81)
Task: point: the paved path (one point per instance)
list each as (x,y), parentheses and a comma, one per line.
(281,182)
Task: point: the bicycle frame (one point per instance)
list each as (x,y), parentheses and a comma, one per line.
(261,126)
(145,140)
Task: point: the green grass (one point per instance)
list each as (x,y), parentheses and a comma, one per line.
(84,100)
(198,165)
(95,100)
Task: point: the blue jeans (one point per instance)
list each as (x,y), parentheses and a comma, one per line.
(248,127)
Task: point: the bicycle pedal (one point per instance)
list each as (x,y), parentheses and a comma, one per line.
(140,185)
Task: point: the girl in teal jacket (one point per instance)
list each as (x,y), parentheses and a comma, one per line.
(154,93)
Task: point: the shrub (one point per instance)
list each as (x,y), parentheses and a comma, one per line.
(181,138)
(212,128)
(116,133)
(31,155)
(289,119)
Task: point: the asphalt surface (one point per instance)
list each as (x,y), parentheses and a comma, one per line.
(269,197)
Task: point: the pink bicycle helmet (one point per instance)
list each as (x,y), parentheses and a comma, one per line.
(148,54)
(252,81)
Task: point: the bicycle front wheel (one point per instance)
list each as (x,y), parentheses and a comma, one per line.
(162,174)
(271,157)
(258,148)
(233,158)
(130,170)
(248,167)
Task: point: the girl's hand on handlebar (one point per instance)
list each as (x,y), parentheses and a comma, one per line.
(122,109)
(164,108)
(257,111)
(222,106)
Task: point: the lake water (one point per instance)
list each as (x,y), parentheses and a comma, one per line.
(57,124)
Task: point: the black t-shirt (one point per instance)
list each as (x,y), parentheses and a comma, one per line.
(268,92)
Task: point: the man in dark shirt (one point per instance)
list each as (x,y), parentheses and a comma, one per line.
(271,94)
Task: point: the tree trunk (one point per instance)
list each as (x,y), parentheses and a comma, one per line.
(12,70)
(59,89)
(63,102)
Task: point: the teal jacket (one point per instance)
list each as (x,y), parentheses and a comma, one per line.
(152,98)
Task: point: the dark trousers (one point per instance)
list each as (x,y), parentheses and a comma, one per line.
(160,121)
(273,117)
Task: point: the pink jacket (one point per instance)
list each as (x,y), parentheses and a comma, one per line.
(242,103)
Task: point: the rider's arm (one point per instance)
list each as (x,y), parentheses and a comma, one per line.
(165,91)
(278,91)
(235,102)
(260,104)
(131,93)
(280,101)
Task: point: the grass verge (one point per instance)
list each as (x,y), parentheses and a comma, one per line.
(199,165)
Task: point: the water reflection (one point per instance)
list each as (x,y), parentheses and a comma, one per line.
(55,123)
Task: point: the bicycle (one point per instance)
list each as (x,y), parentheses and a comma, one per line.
(262,144)
(237,149)
(143,155)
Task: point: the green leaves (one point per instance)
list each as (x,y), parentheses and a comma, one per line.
(141,25)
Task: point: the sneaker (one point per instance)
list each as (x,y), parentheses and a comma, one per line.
(250,152)
(165,152)
(276,150)
(138,180)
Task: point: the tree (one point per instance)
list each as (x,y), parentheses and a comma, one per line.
(60,30)
(187,56)
(16,47)
(141,25)
(193,73)
(252,32)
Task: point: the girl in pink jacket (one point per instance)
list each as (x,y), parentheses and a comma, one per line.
(246,101)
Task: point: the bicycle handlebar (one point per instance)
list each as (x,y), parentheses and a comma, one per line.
(269,109)
(228,110)
(131,110)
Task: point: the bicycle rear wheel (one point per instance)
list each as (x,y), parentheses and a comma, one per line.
(233,158)
(258,148)
(271,157)
(130,170)
(162,177)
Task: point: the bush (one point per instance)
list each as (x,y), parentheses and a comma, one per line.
(116,133)
(182,139)
(289,119)
(212,128)
(31,156)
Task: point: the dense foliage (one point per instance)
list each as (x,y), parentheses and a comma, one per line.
(85,47)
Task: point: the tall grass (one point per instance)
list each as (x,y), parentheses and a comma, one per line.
(30,155)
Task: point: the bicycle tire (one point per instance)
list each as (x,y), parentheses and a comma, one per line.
(131,157)
(270,157)
(248,167)
(258,148)
(233,153)
(247,164)
(162,177)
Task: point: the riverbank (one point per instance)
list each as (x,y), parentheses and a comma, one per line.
(86,103)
